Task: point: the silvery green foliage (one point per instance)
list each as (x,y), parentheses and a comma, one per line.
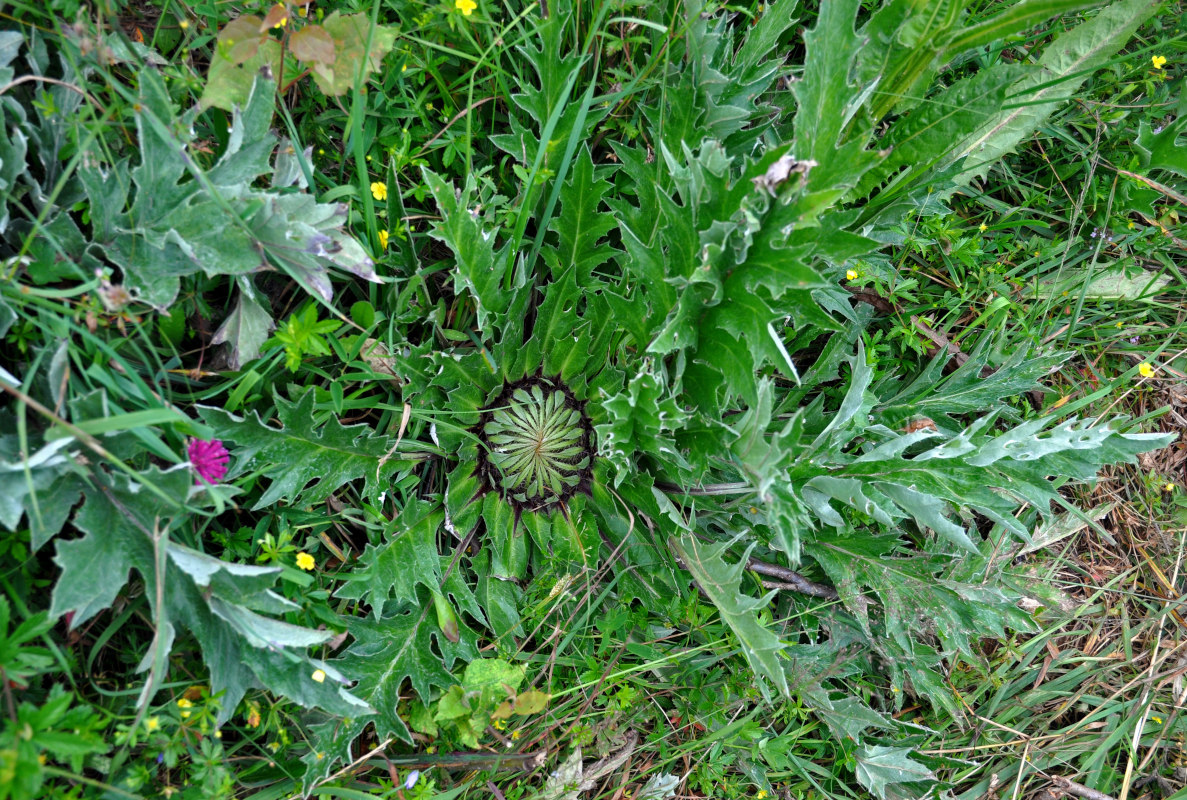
(677,310)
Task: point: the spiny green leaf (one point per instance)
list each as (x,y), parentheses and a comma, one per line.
(582,223)
(479,269)
(302,451)
(880,769)
(394,569)
(720,582)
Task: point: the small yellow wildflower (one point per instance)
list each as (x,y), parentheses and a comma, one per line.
(184,703)
(321,151)
(1156,720)
(379,191)
(184,24)
(217,734)
(1146,370)
(1158,61)
(850,274)
(305,561)
(404,68)
(982,227)
(383,237)
(761,794)
(283,21)
(319,676)
(1131,225)
(1170,487)
(152,723)
(500,724)
(1119,323)
(515,736)
(467,7)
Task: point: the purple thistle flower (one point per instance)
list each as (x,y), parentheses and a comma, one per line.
(209,460)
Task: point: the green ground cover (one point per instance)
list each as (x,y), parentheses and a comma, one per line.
(594,399)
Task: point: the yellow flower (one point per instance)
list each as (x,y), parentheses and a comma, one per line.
(515,736)
(383,237)
(1157,720)
(983,227)
(1131,225)
(761,794)
(152,723)
(467,7)
(184,703)
(185,23)
(305,561)
(1170,487)
(1146,370)
(1158,61)
(319,676)
(379,191)
(850,274)
(500,724)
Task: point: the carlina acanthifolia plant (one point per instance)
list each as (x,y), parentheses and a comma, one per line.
(644,380)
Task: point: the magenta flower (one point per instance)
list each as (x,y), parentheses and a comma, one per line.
(209,460)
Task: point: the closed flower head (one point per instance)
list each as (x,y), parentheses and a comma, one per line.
(209,460)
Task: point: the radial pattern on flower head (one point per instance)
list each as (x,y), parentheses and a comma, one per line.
(537,450)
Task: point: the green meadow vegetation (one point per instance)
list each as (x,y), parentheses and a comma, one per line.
(593,399)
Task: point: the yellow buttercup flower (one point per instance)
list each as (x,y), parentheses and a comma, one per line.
(1158,61)
(850,274)
(1146,370)
(1170,487)
(465,6)
(152,723)
(319,676)
(379,191)
(305,561)
(383,237)
(983,227)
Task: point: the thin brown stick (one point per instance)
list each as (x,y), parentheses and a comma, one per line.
(790,579)
(1079,789)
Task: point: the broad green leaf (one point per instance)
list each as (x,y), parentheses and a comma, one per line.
(246,328)
(720,581)
(881,769)
(359,49)
(24,481)
(1065,64)
(307,462)
(125,529)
